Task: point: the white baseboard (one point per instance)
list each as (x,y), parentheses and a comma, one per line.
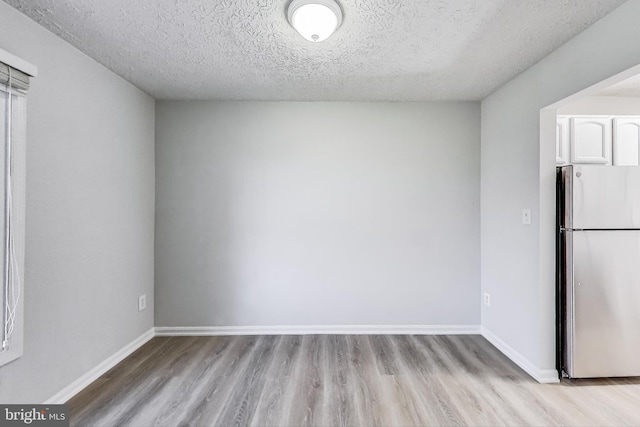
(78,385)
(544,376)
(320,330)
(540,375)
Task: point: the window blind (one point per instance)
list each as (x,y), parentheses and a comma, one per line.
(19,80)
(13,86)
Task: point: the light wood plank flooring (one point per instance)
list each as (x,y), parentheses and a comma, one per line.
(338,380)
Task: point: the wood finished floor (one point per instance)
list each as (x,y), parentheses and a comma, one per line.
(338,380)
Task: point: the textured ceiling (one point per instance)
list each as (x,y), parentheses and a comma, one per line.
(628,87)
(384,50)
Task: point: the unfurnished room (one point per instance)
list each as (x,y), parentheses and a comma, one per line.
(320,213)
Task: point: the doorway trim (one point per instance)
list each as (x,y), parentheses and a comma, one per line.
(547,189)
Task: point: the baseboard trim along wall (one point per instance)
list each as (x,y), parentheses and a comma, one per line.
(544,376)
(540,375)
(320,330)
(78,385)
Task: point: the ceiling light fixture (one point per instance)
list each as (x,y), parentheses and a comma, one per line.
(315,20)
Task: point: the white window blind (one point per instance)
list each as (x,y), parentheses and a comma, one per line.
(13,88)
(19,80)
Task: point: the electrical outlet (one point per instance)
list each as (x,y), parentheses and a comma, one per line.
(526,216)
(142,302)
(487,299)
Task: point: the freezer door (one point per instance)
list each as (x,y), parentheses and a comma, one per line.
(603,197)
(604,304)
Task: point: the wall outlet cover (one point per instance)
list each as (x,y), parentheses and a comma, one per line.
(142,302)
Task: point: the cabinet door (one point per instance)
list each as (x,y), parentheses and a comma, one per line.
(591,139)
(562,140)
(626,141)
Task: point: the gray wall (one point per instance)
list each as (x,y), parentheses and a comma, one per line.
(518,261)
(317,214)
(90,211)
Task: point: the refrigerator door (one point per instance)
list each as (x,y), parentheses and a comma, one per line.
(602,197)
(603,336)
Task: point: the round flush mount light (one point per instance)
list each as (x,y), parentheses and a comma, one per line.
(315,20)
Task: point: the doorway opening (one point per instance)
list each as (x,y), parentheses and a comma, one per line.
(611,108)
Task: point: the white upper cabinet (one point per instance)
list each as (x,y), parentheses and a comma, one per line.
(591,139)
(626,141)
(562,140)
